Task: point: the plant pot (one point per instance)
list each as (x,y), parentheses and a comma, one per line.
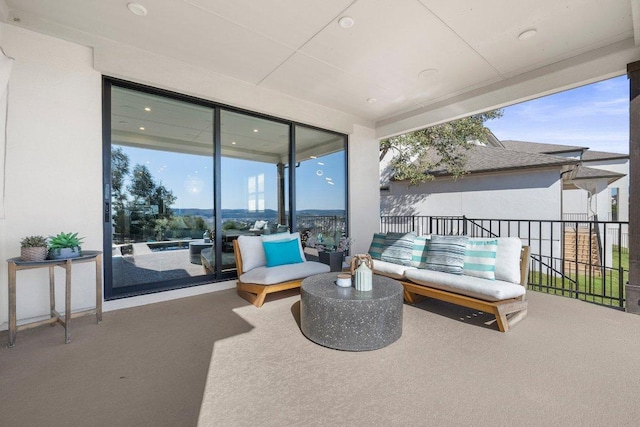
(64,253)
(33,253)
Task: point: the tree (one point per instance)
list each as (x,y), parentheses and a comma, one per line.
(442,146)
(119,171)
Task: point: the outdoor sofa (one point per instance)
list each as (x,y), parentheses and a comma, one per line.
(271,263)
(485,274)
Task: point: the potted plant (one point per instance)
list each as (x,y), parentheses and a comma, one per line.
(64,245)
(33,248)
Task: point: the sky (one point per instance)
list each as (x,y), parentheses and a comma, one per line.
(190,178)
(595,116)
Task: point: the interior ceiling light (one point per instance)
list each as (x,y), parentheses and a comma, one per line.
(346,22)
(233,143)
(141,128)
(429,72)
(255,130)
(147,109)
(527,34)
(372,100)
(137,9)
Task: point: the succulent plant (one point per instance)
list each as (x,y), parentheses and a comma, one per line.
(33,242)
(65,240)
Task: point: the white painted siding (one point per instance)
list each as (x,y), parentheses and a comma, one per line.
(510,195)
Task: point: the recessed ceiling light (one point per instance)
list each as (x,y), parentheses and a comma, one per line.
(233,143)
(429,72)
(527,34)
(255,130)
(141,127)
(137,9)
(346,22)
(147,109)
(372,100)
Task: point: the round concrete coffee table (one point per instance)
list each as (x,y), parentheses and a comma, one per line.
(347,319)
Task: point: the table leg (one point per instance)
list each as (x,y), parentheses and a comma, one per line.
(67,310)
(12,305)
(99,288)
(52,294)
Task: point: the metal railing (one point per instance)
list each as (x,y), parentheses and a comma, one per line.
(587,260)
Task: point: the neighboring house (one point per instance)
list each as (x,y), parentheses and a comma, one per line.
(600,186)
(500,183)
(519,180)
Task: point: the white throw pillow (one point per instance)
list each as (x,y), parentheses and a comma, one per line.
(507,258)
(252,252)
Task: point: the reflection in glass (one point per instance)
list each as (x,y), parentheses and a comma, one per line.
(254,158)
(161,188)
(321,186)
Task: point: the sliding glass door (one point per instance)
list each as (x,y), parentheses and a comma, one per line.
(185,177)
(162,212)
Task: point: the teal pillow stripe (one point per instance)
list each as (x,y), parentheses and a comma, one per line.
(446,253)
(420,250)
(282,252)
(480,259)
(377,244)
(398,248)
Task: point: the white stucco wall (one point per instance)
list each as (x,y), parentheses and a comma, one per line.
(53,173)
(523,194)
(54,153)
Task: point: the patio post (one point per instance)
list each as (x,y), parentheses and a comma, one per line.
(632,288)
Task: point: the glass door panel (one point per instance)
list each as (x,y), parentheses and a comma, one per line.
(321,183)
(253,179)
(162,190)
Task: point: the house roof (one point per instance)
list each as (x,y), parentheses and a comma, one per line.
(402,65)
(539,147)
(593,156)
(585,172)
(493,159)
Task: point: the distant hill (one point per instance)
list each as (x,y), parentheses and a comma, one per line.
(245,214)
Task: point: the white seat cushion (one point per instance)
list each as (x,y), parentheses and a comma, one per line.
(390,269)
(283,273)
(488,290)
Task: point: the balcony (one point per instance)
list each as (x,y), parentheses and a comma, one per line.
(215,360)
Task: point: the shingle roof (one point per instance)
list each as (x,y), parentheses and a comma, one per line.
(585,172)
(490,159)
(592,156)
(538,147)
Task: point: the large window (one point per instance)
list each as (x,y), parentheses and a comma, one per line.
(184,178)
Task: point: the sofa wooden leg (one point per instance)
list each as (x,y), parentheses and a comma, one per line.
(507,315)
(255,299)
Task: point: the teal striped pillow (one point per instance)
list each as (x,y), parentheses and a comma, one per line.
(398,248)
(446,253)
(420,250)
(480,259)
(377,244)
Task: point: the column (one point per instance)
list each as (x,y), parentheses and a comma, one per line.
(632,287)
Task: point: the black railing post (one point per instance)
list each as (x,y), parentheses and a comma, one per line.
(464,225)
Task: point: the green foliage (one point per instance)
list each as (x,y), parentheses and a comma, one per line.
(232,225)
(444,146)
(65,240)
(33,242)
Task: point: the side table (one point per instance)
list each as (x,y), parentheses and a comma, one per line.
(16,264)
(347,319)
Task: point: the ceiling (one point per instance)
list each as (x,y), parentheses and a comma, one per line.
(401,63)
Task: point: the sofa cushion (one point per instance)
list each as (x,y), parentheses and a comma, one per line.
(390,269)
(398,248)
(507,258)
(480,258)
(446,253)
(283,273)
(488,290)
(420,250)
(377,244)
(252,251)
(282,252)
